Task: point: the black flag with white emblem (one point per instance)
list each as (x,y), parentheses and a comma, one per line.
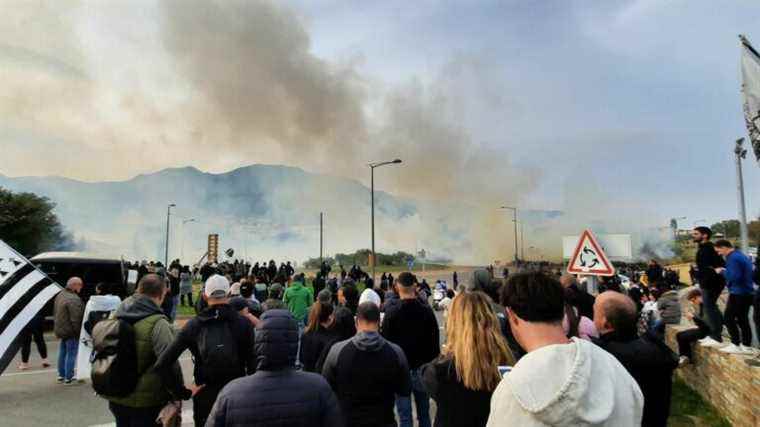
(24,291)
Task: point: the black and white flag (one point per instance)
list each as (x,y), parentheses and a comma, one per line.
(750,64)
(24,291)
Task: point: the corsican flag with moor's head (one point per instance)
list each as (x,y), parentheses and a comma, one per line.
(24,291)
(750,64)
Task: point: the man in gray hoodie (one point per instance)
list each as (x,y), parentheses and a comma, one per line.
(367,372)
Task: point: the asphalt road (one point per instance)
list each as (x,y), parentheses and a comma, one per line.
(33,398)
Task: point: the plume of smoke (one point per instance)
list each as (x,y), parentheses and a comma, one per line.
(219,84)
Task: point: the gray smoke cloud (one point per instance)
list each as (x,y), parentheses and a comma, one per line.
(97,90)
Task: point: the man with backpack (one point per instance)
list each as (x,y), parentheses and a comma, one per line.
(137,334)
(221,342)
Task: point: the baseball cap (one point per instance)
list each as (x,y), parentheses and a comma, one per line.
(235,289)
(217,286)
(370,296)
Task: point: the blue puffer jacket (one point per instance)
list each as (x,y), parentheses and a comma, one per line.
(276,395)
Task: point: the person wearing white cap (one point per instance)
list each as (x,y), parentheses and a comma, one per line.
(221,342)
(369,295)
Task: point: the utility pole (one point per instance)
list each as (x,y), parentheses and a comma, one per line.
(166,253)
(741,153)
(372,167)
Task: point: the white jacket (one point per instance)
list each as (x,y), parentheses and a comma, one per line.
(576,384)
(96,303)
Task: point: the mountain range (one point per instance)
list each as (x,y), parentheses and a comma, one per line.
(260,211)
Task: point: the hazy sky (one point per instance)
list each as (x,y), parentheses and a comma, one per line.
(633,105)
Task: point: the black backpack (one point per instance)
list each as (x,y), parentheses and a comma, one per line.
(218,351)
(114,358)
(94,318)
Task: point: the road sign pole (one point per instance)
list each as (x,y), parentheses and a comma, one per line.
(592,285)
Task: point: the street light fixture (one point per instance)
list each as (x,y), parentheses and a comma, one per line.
(168,215)
(372,167)
(514,219)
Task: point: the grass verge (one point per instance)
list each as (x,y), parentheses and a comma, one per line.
(689,409)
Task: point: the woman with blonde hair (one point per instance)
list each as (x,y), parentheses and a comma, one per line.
(463,378)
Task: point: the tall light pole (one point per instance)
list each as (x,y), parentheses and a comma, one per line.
(182,231)
(168,215)
(514,219)
(372,167)
(741,153)
(321,216)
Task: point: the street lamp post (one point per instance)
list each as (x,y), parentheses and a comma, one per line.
(741,153)
(514,219)
(372,167)
(182,246)
(168,216)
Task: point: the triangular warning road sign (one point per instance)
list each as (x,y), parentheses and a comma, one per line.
(589,258)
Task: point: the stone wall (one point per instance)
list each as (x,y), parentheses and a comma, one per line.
(724,380)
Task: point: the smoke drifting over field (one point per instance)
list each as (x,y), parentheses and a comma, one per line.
(104,92)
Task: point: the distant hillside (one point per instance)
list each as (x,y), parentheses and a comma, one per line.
(262,212)
(250,207)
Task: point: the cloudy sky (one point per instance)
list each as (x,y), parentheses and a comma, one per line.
(625,107)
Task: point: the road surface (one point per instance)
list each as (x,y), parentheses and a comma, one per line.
(33,398)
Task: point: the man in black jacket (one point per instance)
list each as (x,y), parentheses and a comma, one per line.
(367,372)
(221,342)
(277,394)
(649,361)
(711,284)
(412,325)
(581,300)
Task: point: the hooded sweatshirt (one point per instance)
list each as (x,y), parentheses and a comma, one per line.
(367,372)
(277,394)
(151,390)
(298,298)
(576,384)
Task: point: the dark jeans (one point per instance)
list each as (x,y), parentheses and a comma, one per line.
(688,337)
(756,314)
(737,317)
(712,312)
(421,401)
(134,417)
(189,299)
(204,401)
(26,344)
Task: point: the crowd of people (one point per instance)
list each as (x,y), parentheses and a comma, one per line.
(531,348)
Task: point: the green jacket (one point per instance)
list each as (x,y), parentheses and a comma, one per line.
(298,298)
(153,334)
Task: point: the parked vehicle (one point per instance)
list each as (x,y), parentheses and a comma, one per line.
(92,269)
